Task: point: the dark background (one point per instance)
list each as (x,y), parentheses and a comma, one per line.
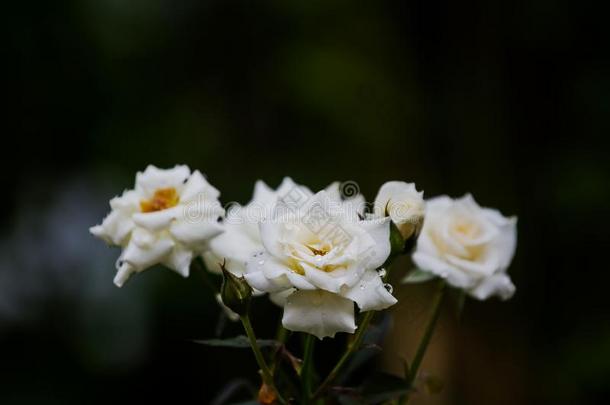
(507,100)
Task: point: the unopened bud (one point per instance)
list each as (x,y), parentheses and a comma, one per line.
(235,292)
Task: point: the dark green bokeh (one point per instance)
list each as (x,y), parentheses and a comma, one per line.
(507,100)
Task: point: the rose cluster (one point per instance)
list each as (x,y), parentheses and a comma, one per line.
(316,254)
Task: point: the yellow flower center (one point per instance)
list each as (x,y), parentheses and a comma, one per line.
(163,199)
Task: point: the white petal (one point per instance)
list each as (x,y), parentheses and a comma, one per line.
(115,229)
(355,206)
(453,275)
(234,244)
(263,194)
(195,235)
(438,204)
(379,250)
(260,282)
(279,298)
(143,238)
(289,189)
(158,220)
(124,271)
(396,191)
(272,267)
(154,178)
(300,282)
(256,274)
(479,268)
(128,202)
(333,191)
(321,279)
(197,187)
(142,258)
(506,240)
(319,313)
(213,262)
(498,284)
(270,231)
(179,260)
(370,293)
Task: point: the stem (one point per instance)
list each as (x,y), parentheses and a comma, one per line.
(282,333)
(258,354)
(351,348)
(307,369)
(425,340)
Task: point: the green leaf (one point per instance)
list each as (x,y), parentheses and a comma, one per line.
(373,336)
(239,342)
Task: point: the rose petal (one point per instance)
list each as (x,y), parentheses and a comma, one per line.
(370,294)
(319,313)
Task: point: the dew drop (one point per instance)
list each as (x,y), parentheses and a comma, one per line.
(261,262)
(389,287)
(362,286)
(382,272)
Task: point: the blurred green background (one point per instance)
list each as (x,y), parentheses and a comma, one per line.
(507,100)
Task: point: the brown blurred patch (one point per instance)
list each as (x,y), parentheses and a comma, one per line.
(476,366)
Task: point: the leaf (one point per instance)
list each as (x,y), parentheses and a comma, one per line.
(418,276)
(238,342)
(370,347)
(382,387)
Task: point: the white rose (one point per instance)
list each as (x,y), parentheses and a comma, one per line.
(471,247)
(167,218)
(404,204)
(319,258)
(241,237)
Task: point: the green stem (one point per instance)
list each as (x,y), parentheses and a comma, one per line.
(308,367)
(281,334)
(260,359)
(425,340)
(351,348)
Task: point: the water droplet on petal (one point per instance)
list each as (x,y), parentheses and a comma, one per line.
(261,262)
(389,287)
(362,286)
(382,272)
